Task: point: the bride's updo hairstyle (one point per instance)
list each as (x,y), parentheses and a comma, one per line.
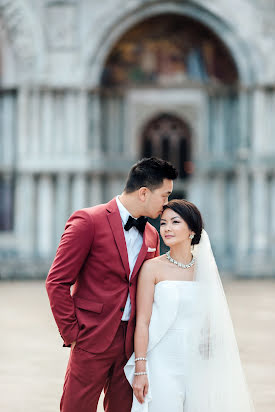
(190,214)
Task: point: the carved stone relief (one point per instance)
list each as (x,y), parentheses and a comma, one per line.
(16,21)
(61,25)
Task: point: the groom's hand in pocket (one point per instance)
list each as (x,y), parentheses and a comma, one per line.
(140,387)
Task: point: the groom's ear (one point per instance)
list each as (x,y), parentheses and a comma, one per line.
(142,193)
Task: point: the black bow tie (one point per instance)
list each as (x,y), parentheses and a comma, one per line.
(138,223)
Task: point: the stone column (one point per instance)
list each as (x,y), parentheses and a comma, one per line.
(45,201)
(95,195)
(259,215)
(112,126)
(94,124)
(62,209)
(208,142)
(82,123)
(59,124)
(121,126)
(259,122)
(207,202)
(231,203)
(79,192)
(242,210)
(115,186)
(34,123)
(22,123)
(131,140)
(46,132)
(196,190)
(243,124)
(217,211)
(218,127)
(70,122)
(272,208)
(25,214)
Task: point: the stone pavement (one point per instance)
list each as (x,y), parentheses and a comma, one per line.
(33,361)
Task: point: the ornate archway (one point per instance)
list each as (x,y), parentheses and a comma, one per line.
(165,69)
(168,137)
(121,20)
(169,51)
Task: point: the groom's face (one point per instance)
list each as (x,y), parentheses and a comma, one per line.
(157,198)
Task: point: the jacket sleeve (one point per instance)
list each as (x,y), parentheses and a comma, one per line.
(157,253)
(72,251)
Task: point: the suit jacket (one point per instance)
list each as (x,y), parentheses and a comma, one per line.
(92,256)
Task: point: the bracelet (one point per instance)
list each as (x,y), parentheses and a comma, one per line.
(137,359)
(140,373)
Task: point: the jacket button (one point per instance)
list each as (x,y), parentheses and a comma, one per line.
(122,309)
(130,283)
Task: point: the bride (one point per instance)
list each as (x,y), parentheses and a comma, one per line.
(186,357)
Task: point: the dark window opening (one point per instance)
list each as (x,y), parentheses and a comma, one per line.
(6,202)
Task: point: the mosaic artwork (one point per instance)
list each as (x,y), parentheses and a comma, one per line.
(168,51)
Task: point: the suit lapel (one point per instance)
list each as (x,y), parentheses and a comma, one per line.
(143,251)
(116,226)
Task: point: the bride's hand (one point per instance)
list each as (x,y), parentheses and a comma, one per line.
(140,387)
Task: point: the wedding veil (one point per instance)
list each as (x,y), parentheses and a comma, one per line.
(216,382)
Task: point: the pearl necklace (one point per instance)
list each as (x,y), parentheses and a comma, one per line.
(180,265)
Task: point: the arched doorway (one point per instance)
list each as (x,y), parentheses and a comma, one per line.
(176,53)
(168,137)
(185,70)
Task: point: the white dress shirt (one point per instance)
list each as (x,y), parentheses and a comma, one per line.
(134,240)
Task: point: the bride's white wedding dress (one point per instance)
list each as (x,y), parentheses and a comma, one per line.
(173,312)
(193,362)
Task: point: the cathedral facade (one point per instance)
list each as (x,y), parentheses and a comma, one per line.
(87,88)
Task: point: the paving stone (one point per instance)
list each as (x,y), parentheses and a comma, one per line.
(33,361)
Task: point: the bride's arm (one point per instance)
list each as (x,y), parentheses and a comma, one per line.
(144,302)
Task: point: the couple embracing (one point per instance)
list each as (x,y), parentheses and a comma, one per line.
(153,331)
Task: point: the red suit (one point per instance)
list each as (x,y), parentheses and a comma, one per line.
(92,256)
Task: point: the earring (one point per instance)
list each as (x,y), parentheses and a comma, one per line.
(191,236)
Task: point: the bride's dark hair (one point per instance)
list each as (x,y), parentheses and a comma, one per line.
(190,214)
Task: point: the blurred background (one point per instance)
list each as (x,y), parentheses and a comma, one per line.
(87,88)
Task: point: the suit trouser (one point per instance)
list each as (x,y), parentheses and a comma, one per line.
(88,374)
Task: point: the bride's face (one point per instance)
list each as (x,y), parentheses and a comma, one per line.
(173,228)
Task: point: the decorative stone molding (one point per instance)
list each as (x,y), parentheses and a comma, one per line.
(62,25)
(20,28)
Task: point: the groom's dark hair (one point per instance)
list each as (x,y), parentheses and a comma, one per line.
(149,172)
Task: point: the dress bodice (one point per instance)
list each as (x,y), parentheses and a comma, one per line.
(193,362)
(174,307)
(187,294)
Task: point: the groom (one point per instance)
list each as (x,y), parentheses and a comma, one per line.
(100,254)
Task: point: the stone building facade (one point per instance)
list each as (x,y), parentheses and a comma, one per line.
(87,88)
